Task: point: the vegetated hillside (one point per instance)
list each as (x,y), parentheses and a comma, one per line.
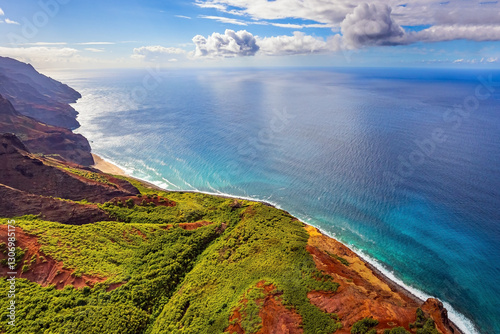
(36,95)
(195,263)
(41,138)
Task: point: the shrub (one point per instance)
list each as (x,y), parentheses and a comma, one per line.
(363,326)
(130,203)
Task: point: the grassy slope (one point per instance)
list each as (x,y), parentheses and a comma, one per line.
(177,281)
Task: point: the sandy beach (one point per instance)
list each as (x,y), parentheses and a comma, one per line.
(107,167)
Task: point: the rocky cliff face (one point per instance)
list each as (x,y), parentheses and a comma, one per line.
(364,292)
(22,171)
(42,138)
(36,95)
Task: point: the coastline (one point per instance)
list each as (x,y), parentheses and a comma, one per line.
(398,287)
(107,167)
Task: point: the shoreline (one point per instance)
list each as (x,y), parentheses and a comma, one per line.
(106,166)
(395,284)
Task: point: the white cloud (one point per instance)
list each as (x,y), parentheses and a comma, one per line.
(323,11)
(475,61)
(9,21)
(94,50)
(156,53)
(183,17)
(96,43)
(288,25)
(470,19)
(42,55)
(225,20)
(206,4)
(442,33)
(370,25)
(229,44)
(416,12)
(2,13)
(46,43)
(299,43)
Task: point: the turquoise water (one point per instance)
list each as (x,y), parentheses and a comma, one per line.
(402,165)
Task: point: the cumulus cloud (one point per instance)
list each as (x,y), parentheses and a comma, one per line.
(156,52)
(229,44)
(299,43)
(371,25)
(354,25)
(470,18)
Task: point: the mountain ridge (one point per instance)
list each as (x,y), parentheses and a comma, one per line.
(36,95)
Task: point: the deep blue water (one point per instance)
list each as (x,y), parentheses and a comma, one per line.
(403,165)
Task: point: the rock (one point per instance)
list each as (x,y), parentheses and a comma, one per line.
(36,95)
(21,170)
(45,139)
(435,309)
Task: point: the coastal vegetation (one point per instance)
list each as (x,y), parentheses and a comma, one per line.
(157,275)
(364,326)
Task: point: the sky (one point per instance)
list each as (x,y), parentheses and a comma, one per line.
(250,33)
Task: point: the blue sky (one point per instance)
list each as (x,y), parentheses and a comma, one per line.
(127,33)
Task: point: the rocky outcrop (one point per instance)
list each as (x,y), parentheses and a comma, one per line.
(17,203)
(45,139)
(21,170)
(36,95)
(435,309)
(363,292)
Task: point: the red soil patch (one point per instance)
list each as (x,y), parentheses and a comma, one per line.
(136,231)
(363,292)
(235,321)
(193,226)
(44,270)
(140,233)
(276,318)
(357,298)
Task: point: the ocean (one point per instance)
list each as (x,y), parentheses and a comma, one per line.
(403,165)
